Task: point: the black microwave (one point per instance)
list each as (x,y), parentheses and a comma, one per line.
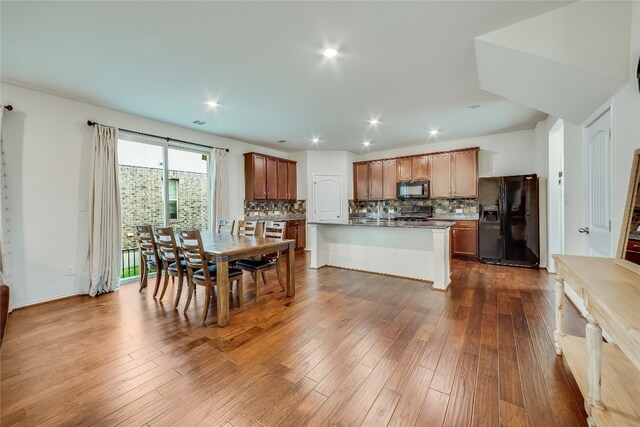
(412,190)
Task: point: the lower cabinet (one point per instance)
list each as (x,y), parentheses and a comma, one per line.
(296,229)
(464,239)
(633,251)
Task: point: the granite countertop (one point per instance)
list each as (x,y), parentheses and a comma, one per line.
(389,224)
(278,217)
(456,217)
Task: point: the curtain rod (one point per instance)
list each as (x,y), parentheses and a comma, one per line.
(8,107)
(91,123)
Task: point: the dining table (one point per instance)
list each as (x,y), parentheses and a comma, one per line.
(224,248)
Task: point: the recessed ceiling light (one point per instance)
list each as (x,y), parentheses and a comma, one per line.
(213,104)
(474,106)
(374,122)
(434,132)
(330,52)
(315,140)
(366,143)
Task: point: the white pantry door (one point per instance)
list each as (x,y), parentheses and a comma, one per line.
(327,198)
(598,179)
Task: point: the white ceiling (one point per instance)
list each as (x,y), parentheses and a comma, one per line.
(410,63)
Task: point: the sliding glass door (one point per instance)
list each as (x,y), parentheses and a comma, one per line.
(161,184)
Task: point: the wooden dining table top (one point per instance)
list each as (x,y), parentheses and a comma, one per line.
(230,244)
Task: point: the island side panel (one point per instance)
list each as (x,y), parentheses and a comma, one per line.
(406,252)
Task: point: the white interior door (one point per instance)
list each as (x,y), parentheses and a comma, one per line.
(327,198)
(598,179)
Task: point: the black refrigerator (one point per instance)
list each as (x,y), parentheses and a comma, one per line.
(509,225)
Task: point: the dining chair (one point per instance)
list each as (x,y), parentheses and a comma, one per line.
(225,226)
(201,273)
(247,228)
(272,229)
(148,256)
(173,264)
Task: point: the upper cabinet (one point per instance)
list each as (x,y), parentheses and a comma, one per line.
(269,178)
(440,176)
(375,180)
(414,168)
(464,173)
(452,174)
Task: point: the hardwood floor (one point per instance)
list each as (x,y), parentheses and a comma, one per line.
(349,349)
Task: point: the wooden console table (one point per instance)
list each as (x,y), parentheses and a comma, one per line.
(609,375)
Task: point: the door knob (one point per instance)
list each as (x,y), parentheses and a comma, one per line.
(583,230)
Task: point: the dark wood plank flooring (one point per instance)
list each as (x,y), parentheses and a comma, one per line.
(349,349)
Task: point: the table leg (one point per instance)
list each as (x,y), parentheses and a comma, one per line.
(291,268)
(594,350)
(222,279)
(559,303)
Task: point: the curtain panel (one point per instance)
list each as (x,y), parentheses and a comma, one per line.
(105,244)
(219,187)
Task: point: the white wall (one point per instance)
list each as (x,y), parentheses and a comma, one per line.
(510,153)
(47,152)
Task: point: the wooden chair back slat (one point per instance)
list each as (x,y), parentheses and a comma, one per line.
(274,229)
(166,243)
(247,228)
(225,226)
(146,241)
(194,254)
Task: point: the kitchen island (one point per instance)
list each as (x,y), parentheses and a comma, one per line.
(415,250)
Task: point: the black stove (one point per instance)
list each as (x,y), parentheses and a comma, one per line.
(414,213)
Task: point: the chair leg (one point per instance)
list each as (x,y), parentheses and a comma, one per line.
(179,291)
(207,300)
(256,280)
(143,278)
(240,290)
(264,278)
(164,286)
(158,278)
(279,276)
(191,294)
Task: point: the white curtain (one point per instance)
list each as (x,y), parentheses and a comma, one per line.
(218,187)
(105,245)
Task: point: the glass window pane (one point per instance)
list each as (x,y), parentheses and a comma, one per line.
(141,169)
(188,169)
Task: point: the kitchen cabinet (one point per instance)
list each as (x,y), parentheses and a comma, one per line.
(440,176)
(287,180)
(297,230)
(404,168)
(454,174)
(283,180)
(272,178)
(269,178)
(361,181)
(375,180)
(464,174)
(292,180)
(389,179)
(420,168)
(415,168)
(464,239)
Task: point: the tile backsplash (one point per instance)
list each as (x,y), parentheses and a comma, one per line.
(272,207)
(440,206)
